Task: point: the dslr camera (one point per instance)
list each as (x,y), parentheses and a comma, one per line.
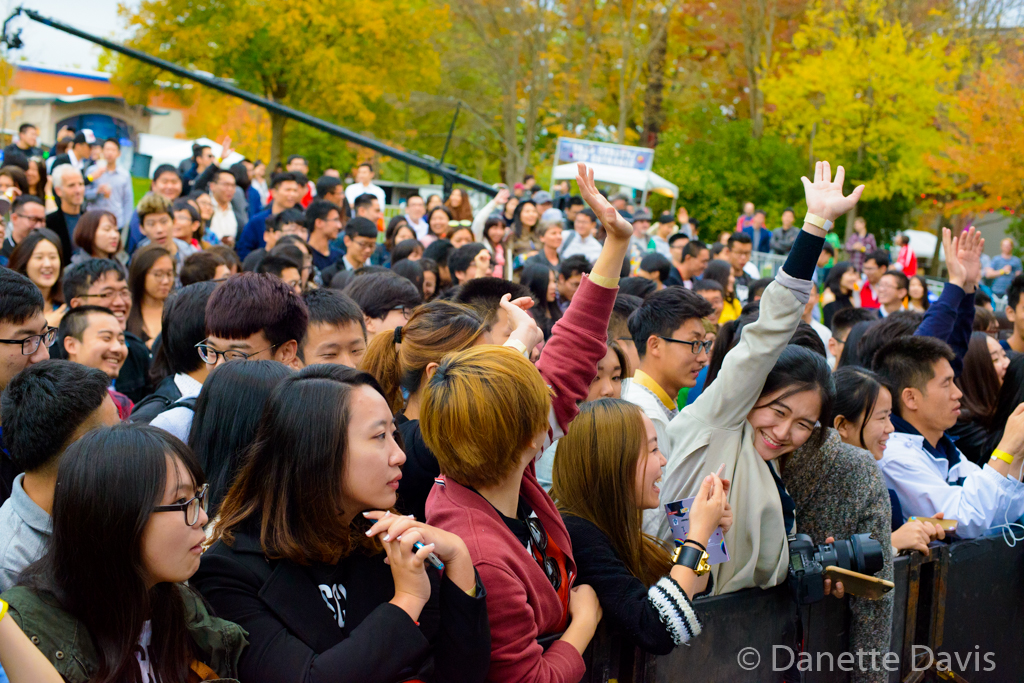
(807,562)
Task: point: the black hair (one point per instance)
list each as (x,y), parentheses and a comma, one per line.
(899,324)
(199,267)
(143,261)
(379,293)
(370,269)
(182,204)
(851,349)
(981,299)
(111,479)
(183,326)
(163,169)
(716,249)
(589,213)
(799,369)
(979,383)
(846,318)
(462,258)
(574,265)
(664,312)
(241,174)
(20,299)
(25,126)
(719,271)
(693,249)
(249,303)
(22,254)
(1011,395)
(909,362)
(879,256)
(835,275)
(362,201)
(359,227)
(1013,292)
(326,184)
(672,239)
(757,287)
(705,285)
(536,277)
(331,307)
(341,279)
(653,262)
(484,294)
(404,249)
(857,392)
(43,406)
(637,286)
(739,237)
(79,277)
(411,271)
(26,199)
(75,322)
(227,414)
(828,249)
(219,171)
(293,157)
(902,281)
(319,209)
(278,178)
(276,264)
(438,251)
(287,217)
(806,337)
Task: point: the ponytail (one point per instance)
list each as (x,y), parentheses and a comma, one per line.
(397,360)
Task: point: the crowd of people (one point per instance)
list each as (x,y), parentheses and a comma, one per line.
(448,454)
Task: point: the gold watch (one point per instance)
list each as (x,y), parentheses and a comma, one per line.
(693,558)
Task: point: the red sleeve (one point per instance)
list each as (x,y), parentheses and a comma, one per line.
(578,343)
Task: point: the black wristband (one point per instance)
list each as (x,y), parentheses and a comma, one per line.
(803,257)
(689,557)
(690,540)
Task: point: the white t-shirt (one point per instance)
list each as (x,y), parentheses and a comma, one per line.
(224,222)
(355,189)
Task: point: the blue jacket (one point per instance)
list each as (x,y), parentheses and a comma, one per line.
(252,234)
(950,319)
(762,243)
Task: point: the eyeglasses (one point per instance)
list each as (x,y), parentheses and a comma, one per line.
(123,294)
(30,345)
(190,507)
(209,355)
(406,310)
(294,284)
(32,220)
(695,346)
(460,224)
(539,539)
(162,274)
(365,243)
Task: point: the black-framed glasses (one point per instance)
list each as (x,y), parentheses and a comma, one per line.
(32,220)
(123,294)
(695,346)
(209,355)
(539,539)
(406,310)
(190,507)
(30,344)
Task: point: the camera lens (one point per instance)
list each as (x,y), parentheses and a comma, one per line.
(867,554)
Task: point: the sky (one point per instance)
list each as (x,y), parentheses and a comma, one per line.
(46,46)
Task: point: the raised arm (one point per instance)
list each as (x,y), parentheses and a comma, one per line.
(731,396)
(481,216)
(579,340)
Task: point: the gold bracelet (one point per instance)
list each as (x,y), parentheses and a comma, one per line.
(3,609)
(1002,455)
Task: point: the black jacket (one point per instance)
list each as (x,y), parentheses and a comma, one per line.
(133,380)
(55,221)
(970,439)
(294,638)
(418,472)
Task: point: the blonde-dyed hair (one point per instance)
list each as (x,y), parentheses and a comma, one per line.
(151,203)
(433,330)
(594,478)
(481,409)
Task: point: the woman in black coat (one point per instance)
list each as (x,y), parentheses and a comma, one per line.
(339,602)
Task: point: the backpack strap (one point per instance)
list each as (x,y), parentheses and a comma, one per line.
(189,403)
(568,240)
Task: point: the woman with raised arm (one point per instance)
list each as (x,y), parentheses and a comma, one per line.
(760,408)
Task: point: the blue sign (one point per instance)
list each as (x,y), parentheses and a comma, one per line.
(571,150)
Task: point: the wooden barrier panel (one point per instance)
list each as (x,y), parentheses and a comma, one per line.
(961,607)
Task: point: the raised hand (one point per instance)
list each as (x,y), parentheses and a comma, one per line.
(521,324)
(825,196)
(614,224)
(970,246)
(956,270)
(503,195)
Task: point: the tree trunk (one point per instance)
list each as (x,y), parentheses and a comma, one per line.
(654,96)
(277,123)
(851,215)
(936,267)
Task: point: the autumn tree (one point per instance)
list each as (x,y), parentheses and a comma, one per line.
(865,92)
(306,54)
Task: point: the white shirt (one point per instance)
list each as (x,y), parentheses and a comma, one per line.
(574,244)
(825,335)
(420,227)
(224,222)
(178,421)
(356,189)
(926,485)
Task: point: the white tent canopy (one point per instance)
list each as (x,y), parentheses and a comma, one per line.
(644,181)
(171,151)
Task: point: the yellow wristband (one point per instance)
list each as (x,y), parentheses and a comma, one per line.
(3,609)
(1002,455)
(517,345)
(818,221)
(602,281)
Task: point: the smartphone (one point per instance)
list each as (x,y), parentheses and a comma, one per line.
(948,525)
(861,585)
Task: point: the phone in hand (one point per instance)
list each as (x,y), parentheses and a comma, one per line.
(947,525)
(858,584)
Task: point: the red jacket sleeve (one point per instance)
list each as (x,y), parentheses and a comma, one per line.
(578,343)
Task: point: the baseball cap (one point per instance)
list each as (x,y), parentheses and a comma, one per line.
(541,197)
(85,135)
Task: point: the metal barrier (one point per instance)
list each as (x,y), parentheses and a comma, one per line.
(964,604)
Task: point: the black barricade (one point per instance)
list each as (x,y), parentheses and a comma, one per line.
(961,607)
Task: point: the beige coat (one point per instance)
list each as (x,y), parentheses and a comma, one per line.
(714,430)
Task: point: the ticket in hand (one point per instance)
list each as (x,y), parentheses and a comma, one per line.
(679,521)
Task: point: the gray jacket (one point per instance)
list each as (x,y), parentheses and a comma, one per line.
(25,529)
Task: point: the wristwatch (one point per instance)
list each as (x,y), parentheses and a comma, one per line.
(693,558)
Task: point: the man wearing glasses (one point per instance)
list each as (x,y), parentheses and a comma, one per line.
(668,331)
(27,214)
(25,339)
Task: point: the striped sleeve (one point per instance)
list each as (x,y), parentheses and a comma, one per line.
(675,610)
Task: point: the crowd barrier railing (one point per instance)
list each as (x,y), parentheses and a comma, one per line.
(958,615)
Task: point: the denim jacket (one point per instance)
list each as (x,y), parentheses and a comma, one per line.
(69,647)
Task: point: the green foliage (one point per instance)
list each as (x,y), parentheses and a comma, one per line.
(320,149)
(885,217)
(718,165)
